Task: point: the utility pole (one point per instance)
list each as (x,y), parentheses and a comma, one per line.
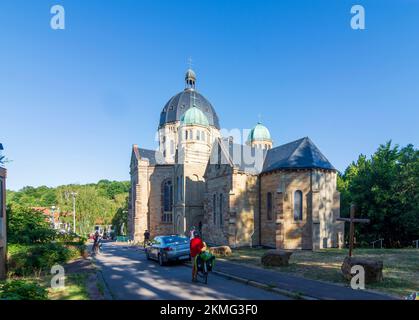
(73,195)
(53,216)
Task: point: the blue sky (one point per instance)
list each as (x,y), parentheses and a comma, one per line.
(73,101)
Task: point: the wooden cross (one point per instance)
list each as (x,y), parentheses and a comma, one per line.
(352,222)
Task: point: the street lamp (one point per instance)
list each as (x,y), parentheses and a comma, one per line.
(73,195)
(52,216)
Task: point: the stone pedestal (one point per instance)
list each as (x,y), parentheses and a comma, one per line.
(276,258)
(221,251)
(373,269)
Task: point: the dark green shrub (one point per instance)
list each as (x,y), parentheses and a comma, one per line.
(27,259)
(22,290)
(26,226)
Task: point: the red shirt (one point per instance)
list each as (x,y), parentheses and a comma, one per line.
(196,247)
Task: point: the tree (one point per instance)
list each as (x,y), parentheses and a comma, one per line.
(386,190)
(27,226)
(95,203)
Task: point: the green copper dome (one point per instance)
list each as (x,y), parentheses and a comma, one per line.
(259,133)
(194,116)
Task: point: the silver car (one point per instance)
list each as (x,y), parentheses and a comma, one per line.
(169,248)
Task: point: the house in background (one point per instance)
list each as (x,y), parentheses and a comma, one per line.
(53,215)
(3,236)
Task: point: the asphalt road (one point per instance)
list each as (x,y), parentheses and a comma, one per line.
(130,276)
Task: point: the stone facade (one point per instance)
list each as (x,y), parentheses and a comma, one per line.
(248,220)
(286,198)
(3,235)
(317,227)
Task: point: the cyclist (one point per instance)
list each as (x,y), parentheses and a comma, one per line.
(96,241)
(197,246)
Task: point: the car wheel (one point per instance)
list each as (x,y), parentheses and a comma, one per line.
(161,262)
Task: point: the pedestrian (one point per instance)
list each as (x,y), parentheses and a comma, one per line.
(146,238)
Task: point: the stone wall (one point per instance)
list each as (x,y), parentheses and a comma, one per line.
(218,181)
(157,175)
(3,235)
(240,204)
(243,210)
(327,232)
(321,201)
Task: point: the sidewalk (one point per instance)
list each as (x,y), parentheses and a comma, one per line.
(296,285)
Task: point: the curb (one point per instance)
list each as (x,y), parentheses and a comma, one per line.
(288,293)
(107,293)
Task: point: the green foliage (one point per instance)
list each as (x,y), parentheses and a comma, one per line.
(35,197)
(22,290)
(110,189)
(26,260)
(95,203)
(120,221)
(386,190)
(26,225)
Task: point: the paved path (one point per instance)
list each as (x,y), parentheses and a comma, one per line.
(129,276)
(316,289)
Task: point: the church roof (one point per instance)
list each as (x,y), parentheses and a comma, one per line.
(194,116)
(153,156)
(176,107)
(246,158)
(259,133)
(299,154)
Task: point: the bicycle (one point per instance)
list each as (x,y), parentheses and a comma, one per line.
(204,264)
(96,248)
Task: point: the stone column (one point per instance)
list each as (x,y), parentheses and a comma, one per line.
(141,205)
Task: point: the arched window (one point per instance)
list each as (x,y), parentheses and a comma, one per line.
(214,208)
(186,135)
(221,209)
(167,201)
(269,205)
(198,134)
(298,205)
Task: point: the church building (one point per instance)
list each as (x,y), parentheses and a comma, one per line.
(252,194)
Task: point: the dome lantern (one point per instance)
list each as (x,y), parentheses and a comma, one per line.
(190,79)
(260,137)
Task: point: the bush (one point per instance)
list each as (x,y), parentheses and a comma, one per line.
(22,290)
(26,226)
(25,260)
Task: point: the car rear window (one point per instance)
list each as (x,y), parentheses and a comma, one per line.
(175,240)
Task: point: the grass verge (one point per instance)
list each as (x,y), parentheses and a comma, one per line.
(401,266)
